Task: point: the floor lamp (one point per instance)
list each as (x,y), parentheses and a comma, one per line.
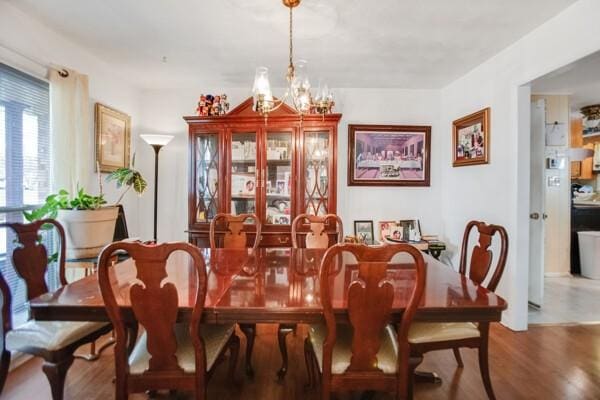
(157,142)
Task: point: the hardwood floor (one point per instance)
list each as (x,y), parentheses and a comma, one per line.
(558,362)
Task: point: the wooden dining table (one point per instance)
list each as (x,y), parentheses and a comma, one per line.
(276,285)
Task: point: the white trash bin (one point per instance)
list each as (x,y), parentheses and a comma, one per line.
(589,254)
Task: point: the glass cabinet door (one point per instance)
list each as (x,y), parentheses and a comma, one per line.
(278,178)
(316,170)
(207,176)
(243,173)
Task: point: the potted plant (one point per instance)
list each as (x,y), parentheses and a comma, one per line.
(89,224)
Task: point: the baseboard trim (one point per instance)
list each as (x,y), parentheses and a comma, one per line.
(556,274)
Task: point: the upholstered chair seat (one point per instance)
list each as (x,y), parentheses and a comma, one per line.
(216,338)
(49,335)
(387,357)
(425,332)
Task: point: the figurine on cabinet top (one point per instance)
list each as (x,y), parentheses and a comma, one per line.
(209,105)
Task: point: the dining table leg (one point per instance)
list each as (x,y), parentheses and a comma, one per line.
(249,330)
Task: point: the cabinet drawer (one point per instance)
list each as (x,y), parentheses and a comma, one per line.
(276,240)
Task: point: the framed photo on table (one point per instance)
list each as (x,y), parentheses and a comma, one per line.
(112,138)
(388,155)
(363,230)
(471,139)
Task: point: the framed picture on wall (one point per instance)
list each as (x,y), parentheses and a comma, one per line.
(471,139)
(112,138)
(388,155)
(363,230)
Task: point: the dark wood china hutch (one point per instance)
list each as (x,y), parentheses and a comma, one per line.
(277,168)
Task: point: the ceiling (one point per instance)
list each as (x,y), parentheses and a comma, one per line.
(350,43)
(580,80)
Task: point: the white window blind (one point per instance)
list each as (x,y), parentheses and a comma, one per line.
(24,161)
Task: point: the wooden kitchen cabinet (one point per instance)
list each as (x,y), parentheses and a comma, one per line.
(580,169)
(276,168)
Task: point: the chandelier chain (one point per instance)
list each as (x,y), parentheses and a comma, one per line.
(291,66)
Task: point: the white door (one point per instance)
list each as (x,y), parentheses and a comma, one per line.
(537,204)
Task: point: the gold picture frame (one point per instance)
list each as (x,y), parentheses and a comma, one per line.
(471,139)
(112,132)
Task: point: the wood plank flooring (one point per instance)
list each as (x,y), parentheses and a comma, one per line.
(558,362)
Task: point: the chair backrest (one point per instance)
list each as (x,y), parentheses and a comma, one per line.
(234,235)
(30,261)
(370,297)
(317,237)
(481,256)
(154,304)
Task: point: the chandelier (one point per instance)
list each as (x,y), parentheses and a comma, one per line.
(298,89)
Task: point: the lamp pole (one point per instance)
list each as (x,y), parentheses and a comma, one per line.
(156,148)
(157,142)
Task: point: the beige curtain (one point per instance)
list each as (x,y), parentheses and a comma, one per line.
(72,151)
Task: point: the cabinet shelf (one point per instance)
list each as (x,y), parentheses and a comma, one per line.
(279,162)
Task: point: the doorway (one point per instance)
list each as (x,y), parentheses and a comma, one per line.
(564,195)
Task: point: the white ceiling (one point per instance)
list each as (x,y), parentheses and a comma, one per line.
(580,80)
(351,43)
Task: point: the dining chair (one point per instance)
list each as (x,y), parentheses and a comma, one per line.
(233,234)
(54,341)
(367,354)
(169,354)
(228,231)
(425,337)
(316,237)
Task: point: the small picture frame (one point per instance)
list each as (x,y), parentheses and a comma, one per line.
(363,230)
(471,139)
(386,228)
(112,128)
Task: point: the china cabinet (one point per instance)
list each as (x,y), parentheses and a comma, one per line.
(275,167)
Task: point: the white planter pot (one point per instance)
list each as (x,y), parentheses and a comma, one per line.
(88,231)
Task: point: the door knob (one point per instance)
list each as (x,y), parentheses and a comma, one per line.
(534,215)
(544,216)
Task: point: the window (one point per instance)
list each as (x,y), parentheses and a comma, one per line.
(24,161)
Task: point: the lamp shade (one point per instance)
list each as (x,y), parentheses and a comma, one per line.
(157,140)
(262,86)
(580,153)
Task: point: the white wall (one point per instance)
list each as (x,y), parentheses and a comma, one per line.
(22,35)
(499,192)
(163,110)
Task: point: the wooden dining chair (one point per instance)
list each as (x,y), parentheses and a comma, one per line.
(425,337)
(168,354)
(233,236)
(368,354)
(54,341)
(316,237)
